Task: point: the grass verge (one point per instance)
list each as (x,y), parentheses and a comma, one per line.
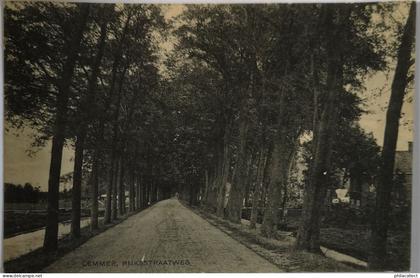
(278,251)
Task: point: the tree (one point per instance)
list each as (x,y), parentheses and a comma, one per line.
(378,256)
(30,26)
(338,23)
(210,36)
(84,117)
(51,231)
(284,72)
(99,93)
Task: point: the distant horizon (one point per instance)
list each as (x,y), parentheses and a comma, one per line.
(67,162)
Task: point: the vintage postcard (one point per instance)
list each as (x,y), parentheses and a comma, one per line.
(266,137)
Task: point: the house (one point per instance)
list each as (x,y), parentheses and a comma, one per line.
(362,191)
(403,174)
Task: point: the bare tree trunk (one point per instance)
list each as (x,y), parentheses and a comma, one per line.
(234,207)
(279,167)
(191,194)
(131,191)
(278,163)
(224,172)
(148,194)
(266,177)
(211,193)
(315,85)
(51,231)
(315,191)
(114,210)
(135,191)
(109,192)
(258,188)
(249,177)
(115,142)
(151,191)
(94,194)
(212,198)
(77,186)
(80,140)
(204,199)
(141,191)
(144,199)
(138,192)
(285,194)
(155,193)
(378,260)
(121,189)
(96,156)
(115,66)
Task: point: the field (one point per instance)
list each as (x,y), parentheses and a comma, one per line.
(16,222)
(26,217)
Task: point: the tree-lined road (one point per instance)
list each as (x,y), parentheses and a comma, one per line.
(213,110)
(164,238)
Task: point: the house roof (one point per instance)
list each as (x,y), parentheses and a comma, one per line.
(403,161)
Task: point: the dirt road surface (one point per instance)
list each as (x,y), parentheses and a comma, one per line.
(167,237)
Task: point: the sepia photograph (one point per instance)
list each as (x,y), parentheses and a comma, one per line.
(208,137)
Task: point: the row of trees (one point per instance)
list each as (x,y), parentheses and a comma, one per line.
(261,79)
(86,76)
(16,193)
(245,87)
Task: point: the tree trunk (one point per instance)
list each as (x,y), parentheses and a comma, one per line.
(80,140)
(91,98)
(249,178)
(115,143)
(234,207)
(115,66)
(285,196)
(94,194)
(191,194)
(147,195)
(203,202)
(141,192)
(315,191)
(51,231)
(138,192)
(144,195)
(117,173)
(279,167)
(278,164)
(121,189)
(378,260)
(109,192)
(77,185)
(266,177)
(155,193)
(151,190)
(131,192)
(258,188)
(221,189)
(148,187)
